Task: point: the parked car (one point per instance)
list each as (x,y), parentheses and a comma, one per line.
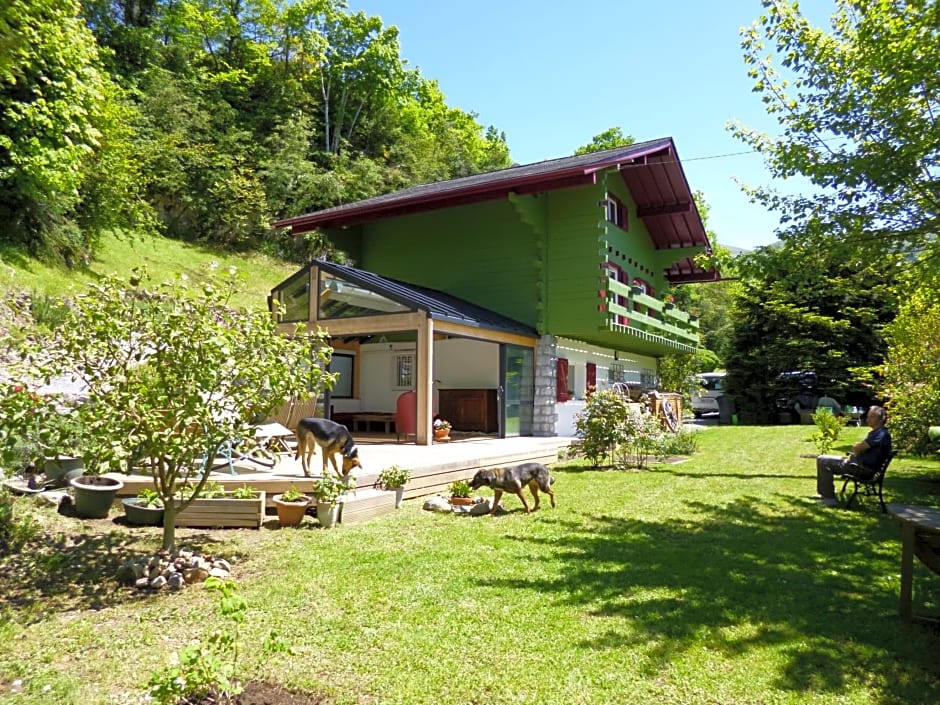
(705,394)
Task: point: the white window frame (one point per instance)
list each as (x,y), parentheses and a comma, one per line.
(403,371)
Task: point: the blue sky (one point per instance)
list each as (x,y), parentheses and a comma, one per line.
(552,74)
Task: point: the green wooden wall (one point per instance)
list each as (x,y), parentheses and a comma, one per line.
(483,253)
(534,258)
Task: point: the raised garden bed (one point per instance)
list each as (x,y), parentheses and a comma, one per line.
(224,513)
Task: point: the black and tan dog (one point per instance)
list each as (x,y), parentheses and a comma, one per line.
(333,438)
(535,475)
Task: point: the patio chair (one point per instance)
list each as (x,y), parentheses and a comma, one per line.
(302,409)
(870,486)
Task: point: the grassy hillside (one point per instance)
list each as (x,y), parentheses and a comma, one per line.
(163,258)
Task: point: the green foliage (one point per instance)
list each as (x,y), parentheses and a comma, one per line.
(292,494)
(330,488)
(459,488)
(149,498)
(681,443)
(856,108)
(803,308)
(173,374)
(48,310)
(206,670)
(643,438)
(602,425)
(394,476)
(61,133)
(828,428)
(33,427)
(608,139)
(677,373)
(912,369)
(246,492)
(16,530)
(288,107)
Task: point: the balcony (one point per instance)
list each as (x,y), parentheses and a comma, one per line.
(649,319)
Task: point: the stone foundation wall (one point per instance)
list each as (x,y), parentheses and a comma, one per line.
(543,422)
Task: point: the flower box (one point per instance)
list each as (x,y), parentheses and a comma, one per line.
(223,513)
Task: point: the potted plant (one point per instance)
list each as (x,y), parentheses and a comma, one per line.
(636,287)
(395,478)
(441,428)
(328,491)
(146,509)
(291,506)
(670,301)
(242,507)
(94,494)
(693,314)
(460,493)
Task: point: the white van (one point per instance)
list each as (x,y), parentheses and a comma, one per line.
(705,394)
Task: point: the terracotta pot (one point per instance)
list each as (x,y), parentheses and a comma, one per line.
(290,513)
(462,501)
(442,434)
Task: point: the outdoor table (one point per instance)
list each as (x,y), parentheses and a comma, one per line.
(920,535)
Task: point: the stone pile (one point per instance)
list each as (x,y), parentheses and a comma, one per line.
(171,570)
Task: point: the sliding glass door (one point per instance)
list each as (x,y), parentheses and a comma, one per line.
(517,390)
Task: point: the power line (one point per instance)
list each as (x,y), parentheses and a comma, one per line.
(719,156)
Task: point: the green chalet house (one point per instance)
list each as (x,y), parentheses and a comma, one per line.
(495,300)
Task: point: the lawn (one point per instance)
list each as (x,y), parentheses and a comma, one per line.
(163,258)
(715,580)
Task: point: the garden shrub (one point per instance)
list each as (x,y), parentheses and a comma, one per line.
(601,427)
(912,371)
(828,428)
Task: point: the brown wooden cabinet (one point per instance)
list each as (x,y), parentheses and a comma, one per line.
(469,409)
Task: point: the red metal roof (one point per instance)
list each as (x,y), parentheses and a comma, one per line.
(651,171)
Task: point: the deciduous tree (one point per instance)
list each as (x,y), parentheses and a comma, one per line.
(857,111)
(173,373)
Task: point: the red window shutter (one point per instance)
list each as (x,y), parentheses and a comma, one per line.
(561,379)
(591,370)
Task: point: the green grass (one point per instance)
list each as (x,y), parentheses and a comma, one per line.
(163,258)
(717,580)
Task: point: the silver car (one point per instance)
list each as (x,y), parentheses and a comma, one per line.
(711,385)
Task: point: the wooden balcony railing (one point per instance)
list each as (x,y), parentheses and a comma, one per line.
(645,313)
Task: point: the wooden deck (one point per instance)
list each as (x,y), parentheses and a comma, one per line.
(433,468)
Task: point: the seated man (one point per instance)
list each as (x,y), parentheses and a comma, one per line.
(867,456)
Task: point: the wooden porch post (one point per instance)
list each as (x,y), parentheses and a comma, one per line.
(425,380)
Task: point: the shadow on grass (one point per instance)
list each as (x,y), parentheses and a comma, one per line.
(75,571)
(812,594)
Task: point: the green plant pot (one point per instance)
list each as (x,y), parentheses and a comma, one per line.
(141,514)
(55,468)
(94,495)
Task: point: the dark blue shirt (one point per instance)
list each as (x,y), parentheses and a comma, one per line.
(879,441)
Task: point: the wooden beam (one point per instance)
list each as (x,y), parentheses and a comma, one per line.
(425,382)
(490,336)
(370,325)
(650,211)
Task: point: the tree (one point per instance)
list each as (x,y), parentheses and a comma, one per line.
(172,374)
(806,309)
(912,368)
(857,112)
(65,154)
(608,139)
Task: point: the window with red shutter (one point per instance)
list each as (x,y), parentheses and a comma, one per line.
(561,379)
